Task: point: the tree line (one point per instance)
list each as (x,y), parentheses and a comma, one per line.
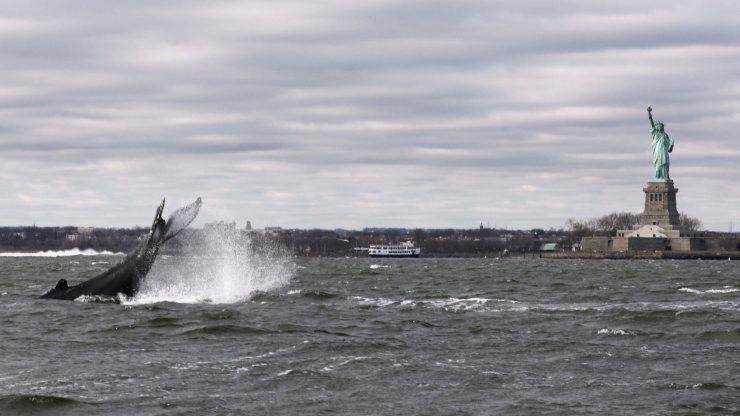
(608,224)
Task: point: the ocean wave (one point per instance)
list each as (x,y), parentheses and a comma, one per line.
(379,266)
(343,361)
(610,331)
(456,304)
(728,335)
(64,253)
(703,386)
(226,330)
(379,302)
(100,299)
(29,403)
(453,304)
(317,294)
(725,289)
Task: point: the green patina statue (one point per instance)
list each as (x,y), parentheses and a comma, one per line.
(662,145)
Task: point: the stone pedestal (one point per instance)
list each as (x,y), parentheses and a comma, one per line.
(660,205)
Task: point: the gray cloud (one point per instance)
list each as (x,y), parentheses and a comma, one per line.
(364,113)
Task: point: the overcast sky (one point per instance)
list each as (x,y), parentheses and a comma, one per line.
(364,113)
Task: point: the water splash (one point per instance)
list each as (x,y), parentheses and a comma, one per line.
(217,266)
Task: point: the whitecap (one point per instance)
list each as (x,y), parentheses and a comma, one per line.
(99,299)
(345,360)
(726,289)
(456,304)
(609,331)
(447,304)
(380,302)
(379,266)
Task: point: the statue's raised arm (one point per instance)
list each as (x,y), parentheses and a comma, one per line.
(650,115)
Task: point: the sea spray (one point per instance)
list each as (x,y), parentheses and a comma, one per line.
(218,265)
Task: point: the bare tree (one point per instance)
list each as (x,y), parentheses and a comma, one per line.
(689,223)
(610,223)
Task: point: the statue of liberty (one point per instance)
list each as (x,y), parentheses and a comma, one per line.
(662,145)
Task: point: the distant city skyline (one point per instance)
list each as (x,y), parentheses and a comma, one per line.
(365,113)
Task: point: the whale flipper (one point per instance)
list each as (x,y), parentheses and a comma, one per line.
(125,277)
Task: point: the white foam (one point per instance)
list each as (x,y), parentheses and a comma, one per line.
(345,360)
(726,289)
(379,266)
(226,268)
(64,253)
(380,302)
(448,304)
(99,299)
(609,331)
(456,304)
(480,304)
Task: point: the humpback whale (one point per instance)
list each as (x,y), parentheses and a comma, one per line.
(125,277)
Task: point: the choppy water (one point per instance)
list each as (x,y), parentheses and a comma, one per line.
(363,336)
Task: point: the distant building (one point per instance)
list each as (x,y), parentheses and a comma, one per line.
(273,230)
(341,232)
(385,230)
(220,227)
(549,247)
(85,230)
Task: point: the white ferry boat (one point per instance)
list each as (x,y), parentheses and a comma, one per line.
(406,249)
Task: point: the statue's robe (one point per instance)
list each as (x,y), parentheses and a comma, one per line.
(662,146)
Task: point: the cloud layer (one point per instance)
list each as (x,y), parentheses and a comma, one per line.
(351,114)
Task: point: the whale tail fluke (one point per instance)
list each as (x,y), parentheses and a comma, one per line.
(180,219)
(162,230)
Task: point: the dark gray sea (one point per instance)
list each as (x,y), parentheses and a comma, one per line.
(364,336)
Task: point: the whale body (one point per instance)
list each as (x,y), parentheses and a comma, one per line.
(126,277)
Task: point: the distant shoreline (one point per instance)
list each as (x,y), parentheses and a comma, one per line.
(562,255)
(658,255)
